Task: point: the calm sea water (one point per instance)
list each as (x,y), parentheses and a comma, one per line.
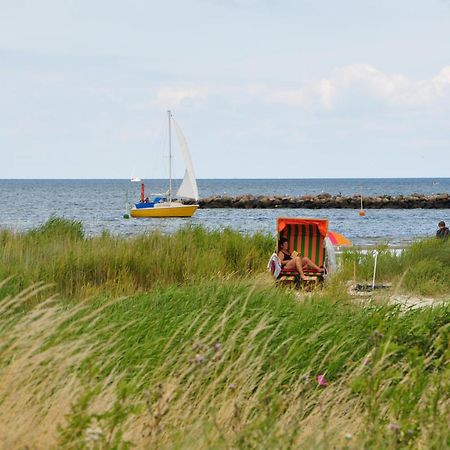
(100,204)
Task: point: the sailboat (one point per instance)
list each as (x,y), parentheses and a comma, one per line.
(165,206)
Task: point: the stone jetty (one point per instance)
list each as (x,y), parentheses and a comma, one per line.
(326,201)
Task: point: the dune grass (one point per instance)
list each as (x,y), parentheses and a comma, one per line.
(59,253)
(422,268)
(223,365)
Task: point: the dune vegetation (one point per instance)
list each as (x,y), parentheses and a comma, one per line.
(59,253)
(183,341)
(422,268)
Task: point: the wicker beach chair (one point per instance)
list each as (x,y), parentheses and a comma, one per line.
(307,237)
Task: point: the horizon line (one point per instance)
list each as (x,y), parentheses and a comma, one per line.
(223,178)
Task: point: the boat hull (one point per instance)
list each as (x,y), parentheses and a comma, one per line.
(165,211)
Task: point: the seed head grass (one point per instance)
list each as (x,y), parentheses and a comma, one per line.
(224,364)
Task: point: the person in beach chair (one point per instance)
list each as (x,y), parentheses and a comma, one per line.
(295,261)
(301,253)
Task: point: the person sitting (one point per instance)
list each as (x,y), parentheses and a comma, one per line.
(146,200)
(442,232)
(299,263)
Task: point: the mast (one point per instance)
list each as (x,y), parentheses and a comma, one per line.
(169,114)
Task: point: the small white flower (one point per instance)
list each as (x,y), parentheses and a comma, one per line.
(93,434)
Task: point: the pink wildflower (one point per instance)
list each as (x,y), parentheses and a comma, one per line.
(199,359)
(321,380)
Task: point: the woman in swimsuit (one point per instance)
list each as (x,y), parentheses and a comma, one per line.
(297,262)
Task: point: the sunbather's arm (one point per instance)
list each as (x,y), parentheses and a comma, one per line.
(281,258)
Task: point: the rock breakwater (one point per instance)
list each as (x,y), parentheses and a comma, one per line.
(326,201)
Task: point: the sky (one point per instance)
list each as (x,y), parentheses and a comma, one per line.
(261,88)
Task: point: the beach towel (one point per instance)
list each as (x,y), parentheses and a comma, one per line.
(274,265)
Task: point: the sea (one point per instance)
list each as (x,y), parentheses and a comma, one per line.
(101,204)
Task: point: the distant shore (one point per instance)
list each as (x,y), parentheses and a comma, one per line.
(326,201)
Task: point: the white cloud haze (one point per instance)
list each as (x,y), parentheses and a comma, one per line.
(394,90)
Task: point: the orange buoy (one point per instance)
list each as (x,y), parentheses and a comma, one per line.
(362,213)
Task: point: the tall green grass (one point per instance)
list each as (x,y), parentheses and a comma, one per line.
(223,365)
(59,253)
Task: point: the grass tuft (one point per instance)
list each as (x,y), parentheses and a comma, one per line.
(59,228)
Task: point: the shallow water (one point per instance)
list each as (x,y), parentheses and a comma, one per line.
(100,204)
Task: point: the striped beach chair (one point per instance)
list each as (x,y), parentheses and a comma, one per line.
(307,237)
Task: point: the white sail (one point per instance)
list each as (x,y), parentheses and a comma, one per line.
(188,188)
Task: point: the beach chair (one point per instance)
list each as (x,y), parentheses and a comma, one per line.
(307,237)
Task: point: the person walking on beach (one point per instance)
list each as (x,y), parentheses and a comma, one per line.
(442,232)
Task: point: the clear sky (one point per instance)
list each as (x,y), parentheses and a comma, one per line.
(261,88)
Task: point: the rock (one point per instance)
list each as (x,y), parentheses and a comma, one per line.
(325,201)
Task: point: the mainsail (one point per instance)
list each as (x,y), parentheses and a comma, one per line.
(188,188)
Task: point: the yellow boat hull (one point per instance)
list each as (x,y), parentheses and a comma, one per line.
(165,211)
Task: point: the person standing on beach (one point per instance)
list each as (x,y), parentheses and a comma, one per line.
(442,232)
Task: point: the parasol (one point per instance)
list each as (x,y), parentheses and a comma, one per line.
(338,238)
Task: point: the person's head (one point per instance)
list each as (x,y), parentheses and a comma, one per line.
(441,224)
(282,244)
